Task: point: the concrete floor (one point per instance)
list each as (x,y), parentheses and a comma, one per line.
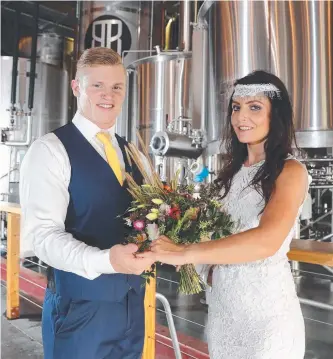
(21,338)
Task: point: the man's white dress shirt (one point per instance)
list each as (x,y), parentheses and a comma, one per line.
(44,179)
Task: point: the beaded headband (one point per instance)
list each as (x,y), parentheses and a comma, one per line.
(268,90)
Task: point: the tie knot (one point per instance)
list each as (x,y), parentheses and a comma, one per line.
(104,137)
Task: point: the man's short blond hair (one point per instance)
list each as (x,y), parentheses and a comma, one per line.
(98,56)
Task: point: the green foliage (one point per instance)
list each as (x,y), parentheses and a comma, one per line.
(176,211)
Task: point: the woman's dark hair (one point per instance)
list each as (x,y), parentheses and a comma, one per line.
(277,146)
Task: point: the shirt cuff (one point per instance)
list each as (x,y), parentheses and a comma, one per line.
(102,263)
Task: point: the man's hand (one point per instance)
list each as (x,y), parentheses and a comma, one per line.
(123,260)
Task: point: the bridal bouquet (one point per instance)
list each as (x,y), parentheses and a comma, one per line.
(175,211)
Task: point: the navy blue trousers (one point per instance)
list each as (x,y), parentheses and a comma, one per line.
(92,329)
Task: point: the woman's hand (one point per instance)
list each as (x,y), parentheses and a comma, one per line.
(165,251)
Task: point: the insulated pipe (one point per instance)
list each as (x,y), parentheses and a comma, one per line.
(33,59)
(27,141)
(15,59)
(77,31)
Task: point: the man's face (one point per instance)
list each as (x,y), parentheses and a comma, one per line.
(100,91)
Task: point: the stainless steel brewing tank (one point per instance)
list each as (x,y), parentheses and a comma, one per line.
(50,109)
(121,25)
(159,89)
(292,39)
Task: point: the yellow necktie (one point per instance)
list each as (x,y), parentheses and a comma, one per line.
(111,155)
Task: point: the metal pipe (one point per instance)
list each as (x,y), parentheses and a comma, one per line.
(195,11)
(160,167)
(199,72)
(328,186)
(295,269)
(329,269)
(204,79)
(8,173)
(295,264)
(316,304)
(15,59)
(317,220)
(33,59)
(327,237)
(207,4)
(202,26)
(185,19)
(2,225)
(151,28)
(9,169)
(168,34)
(77,31)
(316,159)
(132,51)
(171,325)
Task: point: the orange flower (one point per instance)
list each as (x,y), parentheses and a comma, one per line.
(167,188)
(141,237)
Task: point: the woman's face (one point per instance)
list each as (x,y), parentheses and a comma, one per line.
(250,118)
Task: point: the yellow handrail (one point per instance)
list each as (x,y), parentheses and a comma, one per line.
(150,320)
(13,259)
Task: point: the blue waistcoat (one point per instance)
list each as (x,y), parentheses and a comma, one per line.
(96,201)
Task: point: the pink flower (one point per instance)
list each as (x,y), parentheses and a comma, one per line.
(174,212)
(139,225)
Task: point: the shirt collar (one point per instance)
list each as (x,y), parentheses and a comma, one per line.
(89,129)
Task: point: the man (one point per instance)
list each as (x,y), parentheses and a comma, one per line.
(72,191)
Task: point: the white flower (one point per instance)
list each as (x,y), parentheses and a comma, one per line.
(164,208)
(128,222)
(152,230)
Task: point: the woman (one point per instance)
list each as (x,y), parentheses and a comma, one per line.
(254,312)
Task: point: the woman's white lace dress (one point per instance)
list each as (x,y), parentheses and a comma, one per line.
(254,312)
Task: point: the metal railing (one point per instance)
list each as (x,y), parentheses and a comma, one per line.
(171,324)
